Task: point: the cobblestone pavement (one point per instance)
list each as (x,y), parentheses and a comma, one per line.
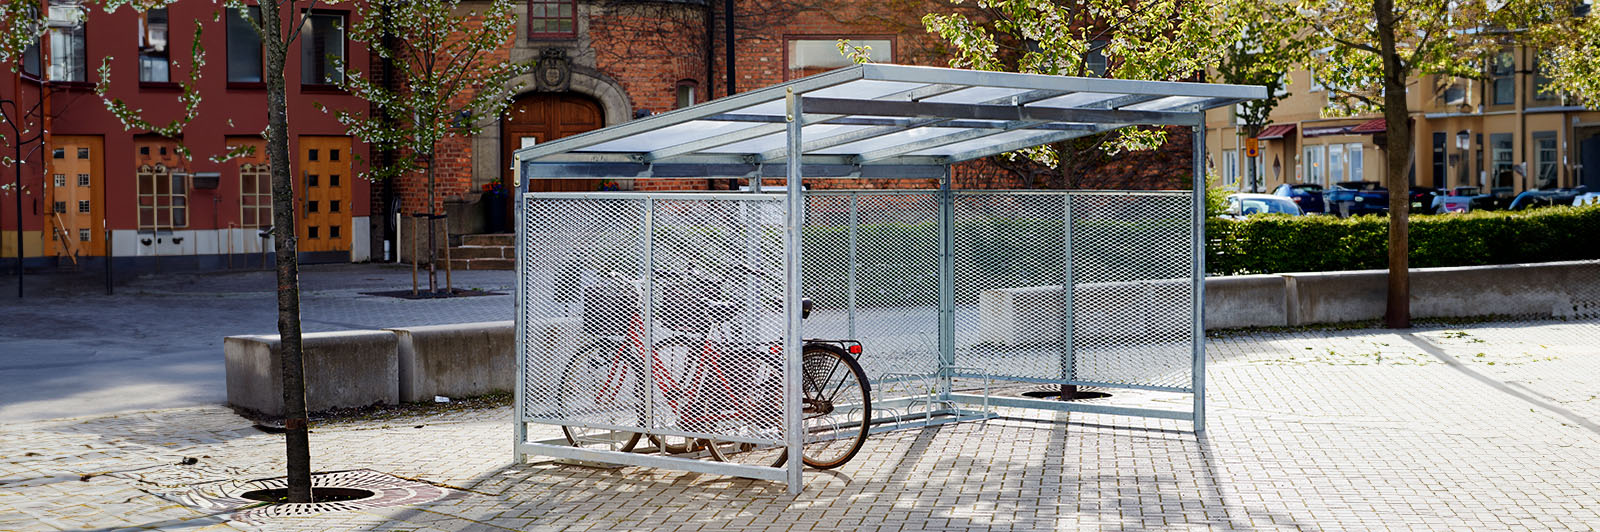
(68,349)
(1491,426)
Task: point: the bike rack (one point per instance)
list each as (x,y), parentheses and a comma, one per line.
(1090,288)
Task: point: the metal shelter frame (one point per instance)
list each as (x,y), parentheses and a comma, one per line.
(867,121)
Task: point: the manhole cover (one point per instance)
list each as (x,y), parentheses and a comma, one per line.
(1056,394)
(336,491)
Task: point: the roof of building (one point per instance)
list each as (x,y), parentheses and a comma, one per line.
(875,120)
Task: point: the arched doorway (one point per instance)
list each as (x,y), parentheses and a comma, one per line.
(541,117)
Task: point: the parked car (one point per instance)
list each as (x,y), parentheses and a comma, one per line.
(1587,198)
(1422,199)
(1529,199)
(1244,205)
(1457,200)
(1497,198)
(1307,195)
(1349,198)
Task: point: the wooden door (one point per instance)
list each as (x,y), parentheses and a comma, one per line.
(77,177)
(324,193)
(545,116)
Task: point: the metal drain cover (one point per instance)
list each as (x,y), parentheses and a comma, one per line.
(388,491)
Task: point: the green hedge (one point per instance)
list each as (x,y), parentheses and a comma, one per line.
(1278,243)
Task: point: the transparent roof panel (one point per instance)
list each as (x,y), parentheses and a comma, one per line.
(889,140)
(1076,99)
(1169,102)
(881,107)
(671,135)
(983,142)
(776,140)
(975,95)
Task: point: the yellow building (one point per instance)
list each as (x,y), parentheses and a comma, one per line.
(1501,131)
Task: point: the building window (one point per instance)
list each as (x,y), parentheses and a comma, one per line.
(686,93)
(153,64)
(552,19)
(1230,167)
(244,46)
(814,55)
(1500,146)
(1336,163)
(31,62)
(83,180)
(322,49)
(1314,165)
(1504,73)
(83,206)
(1544,159)
(59,207)
(68,61)
(83,235)
(1352,152)
(61,180)
(1455,94)
(163,198)
(1541,82)
(1095,59)
(255,195)
(1439,158)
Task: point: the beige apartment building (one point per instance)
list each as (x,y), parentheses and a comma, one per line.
(1506,130)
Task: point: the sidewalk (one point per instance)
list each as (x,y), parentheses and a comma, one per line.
(1488,427)
(71,350)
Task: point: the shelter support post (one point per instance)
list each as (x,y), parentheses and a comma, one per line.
(1198,263)
(519,432)
(794,218)
(947,284)
(1067,366)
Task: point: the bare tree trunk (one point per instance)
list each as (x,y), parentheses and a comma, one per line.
(433,246)
(1398,311)
(296,438)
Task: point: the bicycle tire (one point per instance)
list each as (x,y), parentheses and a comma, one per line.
(587,360)
(823,386)
(767,376)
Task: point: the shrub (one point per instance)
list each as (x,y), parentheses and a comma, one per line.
(1279,243)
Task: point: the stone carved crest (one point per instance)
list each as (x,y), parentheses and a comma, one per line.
(554,71)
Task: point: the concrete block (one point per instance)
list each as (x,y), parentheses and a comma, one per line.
(342,369)
(458,360)
(1334,297)
(1246,301)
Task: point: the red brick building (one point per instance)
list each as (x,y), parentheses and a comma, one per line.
(595,63)
(93,190)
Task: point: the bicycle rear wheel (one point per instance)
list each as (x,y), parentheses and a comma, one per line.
(604,385)
(836,408)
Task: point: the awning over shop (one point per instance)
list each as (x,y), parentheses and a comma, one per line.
(1274,132)
(1370,127)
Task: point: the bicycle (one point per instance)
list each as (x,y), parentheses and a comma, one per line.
(724,384)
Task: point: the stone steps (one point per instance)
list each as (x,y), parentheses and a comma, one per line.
(484,252)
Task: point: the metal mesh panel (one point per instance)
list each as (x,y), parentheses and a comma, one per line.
(572,308)
(870,263)
(1133,318)
(717,302)
(697,279)
(1010,264)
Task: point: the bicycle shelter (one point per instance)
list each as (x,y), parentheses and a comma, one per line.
(940,287)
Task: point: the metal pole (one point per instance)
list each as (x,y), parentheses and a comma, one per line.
(520,428)
(850,273)
(947,283)
(1197,208)
(793,430)
(16,191)
(647,269)
(1068,365)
